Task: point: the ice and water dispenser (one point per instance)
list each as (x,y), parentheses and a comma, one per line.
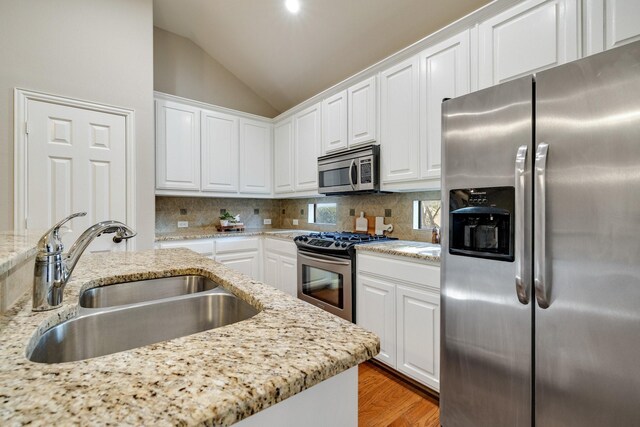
(482,222)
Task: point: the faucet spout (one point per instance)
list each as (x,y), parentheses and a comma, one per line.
(53,268)
(72,257)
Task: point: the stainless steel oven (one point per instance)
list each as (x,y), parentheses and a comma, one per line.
(326,282)
(349,171)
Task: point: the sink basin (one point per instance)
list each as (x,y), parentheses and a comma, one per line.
(96,333)
(144,290)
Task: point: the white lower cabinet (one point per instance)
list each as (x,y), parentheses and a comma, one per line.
(398,299)
(418,335)
(376,311)
(281,265)
(244,262)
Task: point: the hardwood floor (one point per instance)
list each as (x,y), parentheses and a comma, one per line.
(385,400)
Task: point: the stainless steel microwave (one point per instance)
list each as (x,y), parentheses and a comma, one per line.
(350,171)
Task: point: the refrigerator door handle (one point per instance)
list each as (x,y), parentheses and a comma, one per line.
(539,226)
(522,288)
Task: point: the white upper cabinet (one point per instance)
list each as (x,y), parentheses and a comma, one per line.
(307,133)
(334,123)
(610,23)
(362,117)
(529,37)
(444,73)
(283,156)
(177,146)
(219,152)
(255,156)
(399,121)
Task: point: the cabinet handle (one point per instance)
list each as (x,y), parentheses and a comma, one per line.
(539,225)
(522,285)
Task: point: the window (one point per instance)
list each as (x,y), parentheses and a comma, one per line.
(323,213)
(426,213)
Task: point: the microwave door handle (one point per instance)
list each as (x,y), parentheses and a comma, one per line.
(522,288)
(353,164)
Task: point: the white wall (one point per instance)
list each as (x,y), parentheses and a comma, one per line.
(183,69)
(95,50)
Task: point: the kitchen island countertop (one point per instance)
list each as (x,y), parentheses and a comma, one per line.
(216,377)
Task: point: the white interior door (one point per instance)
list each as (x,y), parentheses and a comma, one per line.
(76,161)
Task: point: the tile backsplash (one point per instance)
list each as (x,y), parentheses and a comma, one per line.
(201,212)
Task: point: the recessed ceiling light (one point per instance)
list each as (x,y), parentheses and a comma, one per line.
(292,6)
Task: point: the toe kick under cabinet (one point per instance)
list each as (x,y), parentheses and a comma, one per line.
(398,298)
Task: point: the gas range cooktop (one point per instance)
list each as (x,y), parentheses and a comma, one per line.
(337,242)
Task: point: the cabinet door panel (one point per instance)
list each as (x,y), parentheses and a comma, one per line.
(177,146)
(375,311)
(283,157)
(419,335)
(444,73)
(334,123)
(255,157)
(399,119)
(622,22)
(288,275)
(247,263)
(529,37)
(271,262)
(219,152)
(307,148)
(361,104)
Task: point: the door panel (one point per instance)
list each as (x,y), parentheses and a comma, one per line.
(334,123)
(283,157)
(307,148)
(255,157)
(177,146)
(288,275)
(362,101)
(486,332)
(376,312)
(219,152)
(588,340)
(76,162)
(418,335)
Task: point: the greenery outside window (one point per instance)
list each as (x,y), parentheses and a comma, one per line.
(426,212)
(322,213)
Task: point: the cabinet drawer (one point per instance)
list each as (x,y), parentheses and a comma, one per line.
(231,244)
(203,247)
(398,269)
(280,246)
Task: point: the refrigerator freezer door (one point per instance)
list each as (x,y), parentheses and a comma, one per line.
(588,339)
(486,331)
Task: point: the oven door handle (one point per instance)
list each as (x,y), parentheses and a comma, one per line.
(323,258)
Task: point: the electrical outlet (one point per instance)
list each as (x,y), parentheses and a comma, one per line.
(387,213)
(183,224)
(296,222)
(266,221)
(352,212)
(256,211)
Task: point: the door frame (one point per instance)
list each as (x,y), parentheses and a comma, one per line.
(20,101)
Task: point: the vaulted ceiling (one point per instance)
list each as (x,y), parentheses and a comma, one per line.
(288,58)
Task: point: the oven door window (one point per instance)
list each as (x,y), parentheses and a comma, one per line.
(323,285)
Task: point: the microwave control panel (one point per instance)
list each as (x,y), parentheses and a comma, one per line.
(366,167)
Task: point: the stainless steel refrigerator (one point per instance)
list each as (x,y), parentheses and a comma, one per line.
(541,249)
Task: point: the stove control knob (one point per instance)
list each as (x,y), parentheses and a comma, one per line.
(344,244)
(305,238)
(337,244)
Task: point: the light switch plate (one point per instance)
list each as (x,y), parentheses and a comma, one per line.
(266,222)
(183,224)
(295,222)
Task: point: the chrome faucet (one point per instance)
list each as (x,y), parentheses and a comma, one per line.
(53,268)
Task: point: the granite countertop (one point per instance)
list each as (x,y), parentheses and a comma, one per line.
(212,232)
(419,250)
(214,377)
(16,247)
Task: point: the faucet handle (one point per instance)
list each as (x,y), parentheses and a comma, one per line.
(50,243)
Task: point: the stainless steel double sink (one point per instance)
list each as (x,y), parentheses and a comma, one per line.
(129,315)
